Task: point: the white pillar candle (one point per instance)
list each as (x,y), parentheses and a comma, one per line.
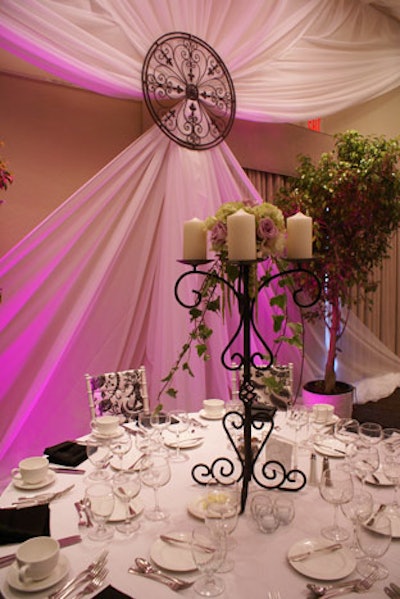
(299,236)
(194,240)
(241,236)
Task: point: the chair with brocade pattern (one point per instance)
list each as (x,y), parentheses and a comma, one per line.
(121,393)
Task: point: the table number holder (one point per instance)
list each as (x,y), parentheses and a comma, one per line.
(256,417)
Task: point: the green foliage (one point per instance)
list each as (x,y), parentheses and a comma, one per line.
(353,196)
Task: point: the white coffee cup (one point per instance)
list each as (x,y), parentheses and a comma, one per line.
(106,425)
(213,407)
(36,558)
(322,412)
(31,470)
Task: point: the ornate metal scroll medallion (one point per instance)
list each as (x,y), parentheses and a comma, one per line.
(188,91)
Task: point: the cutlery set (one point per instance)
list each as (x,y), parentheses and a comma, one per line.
(144,568)
(359,585)
(91,578)
(40,498)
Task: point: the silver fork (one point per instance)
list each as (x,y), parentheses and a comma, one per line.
(359,587)
(93,585)
(89,571)
(274,595)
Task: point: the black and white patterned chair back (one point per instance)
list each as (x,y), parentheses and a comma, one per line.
(275,385)
(122,393)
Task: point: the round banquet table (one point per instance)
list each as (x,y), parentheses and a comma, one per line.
(261,563)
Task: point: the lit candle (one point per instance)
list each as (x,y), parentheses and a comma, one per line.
(299,236)
(241,236)
(194,240)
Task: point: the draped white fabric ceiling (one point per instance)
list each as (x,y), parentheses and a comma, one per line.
(91,289)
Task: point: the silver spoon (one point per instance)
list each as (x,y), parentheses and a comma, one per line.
(319,590)
(145,567)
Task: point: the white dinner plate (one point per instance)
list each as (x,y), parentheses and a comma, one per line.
(113,435)
(58,574)
(20,484)
(196,507)
(127,462)
(331,447)
(119,513)
(207,416)
(173,557)
(331,565)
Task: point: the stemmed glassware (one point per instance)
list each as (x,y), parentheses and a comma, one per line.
(208,551)
(374,541)
(99,455)
(222,506)
(370,433)
(100,500)
(126,487)
(159,422)
(336,487)
(364,460)
(359,508)
(120,446)
(155,472)
(178,424)
(346,430)
(296,418)
(391,469)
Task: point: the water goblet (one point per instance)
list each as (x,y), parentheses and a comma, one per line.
(178,424)
(370,433)
(126,487)
(155,472)
(336,487)
(391,469)
(346,430)
(359,508)
(99,499)
(159,422)
(296,419)
(222,506)
(120,445)
(99,455)
(208,560)
(374,541)
(363,459)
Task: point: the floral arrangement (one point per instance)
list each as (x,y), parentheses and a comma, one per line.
(6,177)
(270,244)
(270,228)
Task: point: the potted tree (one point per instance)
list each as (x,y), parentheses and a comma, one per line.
(353,196)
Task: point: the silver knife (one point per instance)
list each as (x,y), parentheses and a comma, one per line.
(306,554)
(41,498)
(6,560)
(65,470)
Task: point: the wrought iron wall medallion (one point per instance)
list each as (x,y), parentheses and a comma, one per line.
(188,91)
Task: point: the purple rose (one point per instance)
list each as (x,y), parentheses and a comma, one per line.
(218,235)
(267,229)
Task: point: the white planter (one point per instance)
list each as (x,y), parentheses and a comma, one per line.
(342,402)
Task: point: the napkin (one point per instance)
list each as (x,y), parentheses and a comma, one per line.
(17,525)
(111,593)
(67,453)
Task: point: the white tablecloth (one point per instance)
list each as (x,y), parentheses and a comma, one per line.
(260,559)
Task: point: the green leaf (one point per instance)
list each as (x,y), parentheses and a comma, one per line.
(279,300)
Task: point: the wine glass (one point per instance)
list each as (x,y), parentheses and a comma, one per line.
(222,506)
(374,541)
(370,433)
(346,430)
(126,487)
(99,499)
(155,472)
(120,445)
(391,469)
(208,551)
(364,460)
(296,419)
(99,455)
(336,487)
(359,508)
(159,421)
(178,424)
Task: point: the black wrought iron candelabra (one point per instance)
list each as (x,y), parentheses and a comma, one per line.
(255,416)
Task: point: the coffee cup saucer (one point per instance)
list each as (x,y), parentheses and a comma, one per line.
(113,435)
(59,572)
(212,416)
(21,484)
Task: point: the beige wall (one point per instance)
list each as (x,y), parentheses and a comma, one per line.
(55,138)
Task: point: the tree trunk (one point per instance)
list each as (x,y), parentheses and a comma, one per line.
(334,330)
